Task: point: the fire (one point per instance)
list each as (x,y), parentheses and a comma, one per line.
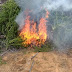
(33,34)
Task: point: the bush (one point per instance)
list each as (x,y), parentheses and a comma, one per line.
(48,46)
(8,26)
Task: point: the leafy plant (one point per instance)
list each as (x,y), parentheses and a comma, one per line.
(48,46)
(8,26)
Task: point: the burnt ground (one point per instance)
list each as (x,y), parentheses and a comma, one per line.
(20,61)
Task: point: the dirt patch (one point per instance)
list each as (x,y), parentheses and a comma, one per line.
(44,62)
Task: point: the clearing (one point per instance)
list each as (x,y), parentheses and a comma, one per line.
(20,61)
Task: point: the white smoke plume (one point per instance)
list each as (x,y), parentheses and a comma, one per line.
(62,29)
(34,5)
(56,4)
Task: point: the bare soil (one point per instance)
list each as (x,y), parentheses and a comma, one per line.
(20,61)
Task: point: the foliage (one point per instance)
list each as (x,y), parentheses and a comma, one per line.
(61,22)
(17,42)
(48,46)
(8,26)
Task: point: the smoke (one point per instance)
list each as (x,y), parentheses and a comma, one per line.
(34,5)
(56,4)
(59,22)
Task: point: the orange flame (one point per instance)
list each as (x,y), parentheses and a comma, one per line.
(31,35)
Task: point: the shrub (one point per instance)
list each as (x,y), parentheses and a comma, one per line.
(8,26)
(48,46)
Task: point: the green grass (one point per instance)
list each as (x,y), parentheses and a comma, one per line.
(44,48)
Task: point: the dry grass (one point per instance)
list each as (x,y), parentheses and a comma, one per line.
(20,61)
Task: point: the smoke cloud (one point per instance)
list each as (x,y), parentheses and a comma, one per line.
(34,5)
(59,22)
(56,4)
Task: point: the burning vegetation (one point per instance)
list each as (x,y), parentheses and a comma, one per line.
(34,33)
(33,26)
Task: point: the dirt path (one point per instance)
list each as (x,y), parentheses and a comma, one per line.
(44,62)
